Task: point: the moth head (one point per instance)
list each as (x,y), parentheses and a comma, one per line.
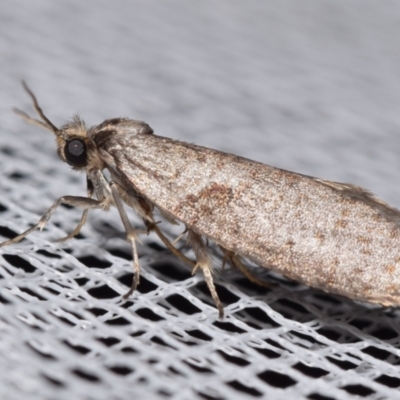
(73,144)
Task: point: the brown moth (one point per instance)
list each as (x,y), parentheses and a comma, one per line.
(333,236)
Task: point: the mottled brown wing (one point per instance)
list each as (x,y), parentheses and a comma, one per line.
(333,236)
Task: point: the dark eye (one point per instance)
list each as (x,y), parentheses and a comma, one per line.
(75,152)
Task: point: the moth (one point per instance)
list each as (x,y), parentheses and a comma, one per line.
(336,237)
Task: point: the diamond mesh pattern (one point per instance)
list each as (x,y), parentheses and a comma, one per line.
(219,74)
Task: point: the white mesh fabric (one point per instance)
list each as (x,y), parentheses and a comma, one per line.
(311,87)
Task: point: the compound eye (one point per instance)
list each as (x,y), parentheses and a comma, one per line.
(75,152)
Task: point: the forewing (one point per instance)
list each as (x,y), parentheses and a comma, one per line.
(324,234)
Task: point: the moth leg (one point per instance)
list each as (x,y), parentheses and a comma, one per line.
(82,221)
(237,263)
(131,237)
(77,229)
(179,237)
(171,247)
(75,201)
(204,262)
(146,213)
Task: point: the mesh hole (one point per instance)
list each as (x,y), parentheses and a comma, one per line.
(119,321)
(38,351)
(98,312)
(233,359)
(175,371)
(290,305)
(251,287)
(314,372)
(328,299)
(267,352)
(338,335)
(275,344)
(155,246)
(161,342)
(6,232)
(48,254)
(121,370)
(146,313)
(343,364)
(64,320)
(129,350)
(94,262)
(82,281)
(103,292)
(53,381)
(171,271)
(359,390)
(385,333)
(145,286)
(360,323)
(277,379)
(304,337)
(225,295)
(199,335)
(373,351)
(229,327)
(77,348)
(85,375)
(316,396)
(164,393)
(207,396)
(389,381)
(8,151)
(197,367)
(18,176)
(259,315)
(121,254)
(109,341)
(245,389)
(32,293)
(182,304)
(3,300)
(51,290)
(138,333)
(19,262)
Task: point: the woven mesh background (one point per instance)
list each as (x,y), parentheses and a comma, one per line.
(310,86)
